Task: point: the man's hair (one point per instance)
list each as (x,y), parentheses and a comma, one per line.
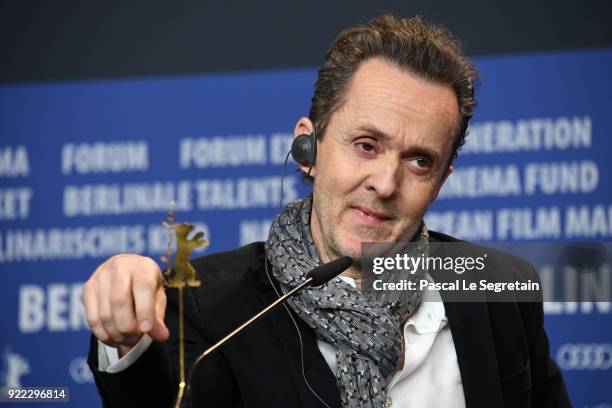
(428,51)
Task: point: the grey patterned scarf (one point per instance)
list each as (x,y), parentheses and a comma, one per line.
(365,329)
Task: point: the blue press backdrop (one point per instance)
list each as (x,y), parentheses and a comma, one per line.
(87,170)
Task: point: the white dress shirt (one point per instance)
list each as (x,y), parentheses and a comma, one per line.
(430,376)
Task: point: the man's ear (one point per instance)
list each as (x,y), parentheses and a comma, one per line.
(447,173)
(305,126)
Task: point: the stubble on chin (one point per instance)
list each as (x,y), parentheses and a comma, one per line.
(328,231)
(331,217)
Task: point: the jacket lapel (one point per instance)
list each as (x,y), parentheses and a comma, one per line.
(316,370)
(469,324)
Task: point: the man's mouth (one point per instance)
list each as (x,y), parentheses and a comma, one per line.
(368,216)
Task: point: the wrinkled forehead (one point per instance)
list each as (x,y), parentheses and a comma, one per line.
(400,104)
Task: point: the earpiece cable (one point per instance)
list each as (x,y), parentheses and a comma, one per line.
(297,329)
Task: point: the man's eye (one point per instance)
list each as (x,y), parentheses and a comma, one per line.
(422,162)
(367,147)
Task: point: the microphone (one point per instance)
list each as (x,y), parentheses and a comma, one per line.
(326,272)
(316,277)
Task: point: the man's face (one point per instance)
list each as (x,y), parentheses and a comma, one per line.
(383,159)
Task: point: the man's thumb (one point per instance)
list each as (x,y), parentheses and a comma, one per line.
(159,332)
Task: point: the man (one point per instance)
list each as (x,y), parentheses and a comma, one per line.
(391,107)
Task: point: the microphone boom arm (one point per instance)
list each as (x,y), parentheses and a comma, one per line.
(273,305)
(269,308)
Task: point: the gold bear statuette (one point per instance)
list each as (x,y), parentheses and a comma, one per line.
(184,273)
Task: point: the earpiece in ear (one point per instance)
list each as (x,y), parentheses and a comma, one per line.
(303,149)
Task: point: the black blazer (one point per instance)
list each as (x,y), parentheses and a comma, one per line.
(502,348)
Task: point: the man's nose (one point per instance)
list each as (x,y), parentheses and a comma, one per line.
(385,178)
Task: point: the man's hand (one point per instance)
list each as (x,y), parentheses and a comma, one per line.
(125,298)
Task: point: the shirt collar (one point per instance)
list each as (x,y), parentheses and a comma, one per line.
(428,316)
